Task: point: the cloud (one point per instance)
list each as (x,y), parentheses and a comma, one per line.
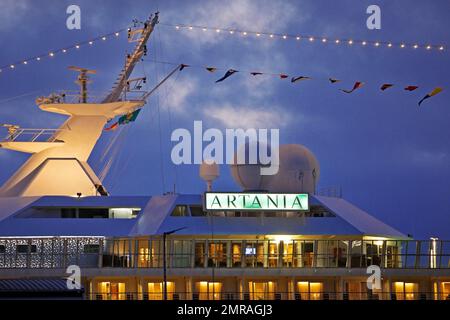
(11,12)
(247,117)
(428,158)
(178,94)
(239,14)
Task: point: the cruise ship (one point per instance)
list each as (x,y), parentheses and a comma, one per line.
(276,239)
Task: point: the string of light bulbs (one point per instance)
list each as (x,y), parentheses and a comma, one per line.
(52,53)
(309,38)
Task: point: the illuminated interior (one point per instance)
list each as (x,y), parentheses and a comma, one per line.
(112,290)
(156,290)
(405,290)
(262,290)
(445,290)
(310,290)
(209,290)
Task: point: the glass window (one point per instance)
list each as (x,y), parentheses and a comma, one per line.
(2,249)
(209,290)
(197,211)
(156,290)
(179,211)
(445,290)
(112,290)
(217,255)
(310,290)
(262,290)
(236,252)
(181,253)
(93,213)
(69,213)
(406,290)
(307,253)
(288,253)
(199,254)
(273,254)
(254,254)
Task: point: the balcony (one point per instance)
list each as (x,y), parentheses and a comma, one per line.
(99,252)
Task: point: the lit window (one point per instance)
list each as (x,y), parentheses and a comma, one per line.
(262,290)
(310,290)
(156,290)
(405,290)
(209,290)
(112,290)
(179,211)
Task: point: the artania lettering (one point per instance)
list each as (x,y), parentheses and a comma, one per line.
(256,201)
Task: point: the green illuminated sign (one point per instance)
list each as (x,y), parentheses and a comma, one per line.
(256,201)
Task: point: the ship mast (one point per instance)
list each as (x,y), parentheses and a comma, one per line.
(69,147)
(140,49)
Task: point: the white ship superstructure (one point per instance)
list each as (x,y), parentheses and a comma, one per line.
(55,213)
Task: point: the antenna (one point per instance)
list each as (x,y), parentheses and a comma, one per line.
(83,80)
(209,171)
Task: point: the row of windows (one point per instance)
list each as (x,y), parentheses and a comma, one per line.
(80,213)
(315,211)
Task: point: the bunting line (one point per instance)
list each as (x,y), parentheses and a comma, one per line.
(294,79)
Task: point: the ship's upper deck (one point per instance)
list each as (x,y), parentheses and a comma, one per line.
(123,216)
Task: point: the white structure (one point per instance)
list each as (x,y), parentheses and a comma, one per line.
(209,172)
(58,166)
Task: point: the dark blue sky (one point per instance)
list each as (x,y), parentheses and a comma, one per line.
(390,157)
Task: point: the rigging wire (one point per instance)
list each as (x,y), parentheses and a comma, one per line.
(161,152)
(166,90)
(19,96)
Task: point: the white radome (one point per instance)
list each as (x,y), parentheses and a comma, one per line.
(299,171)
(248,176)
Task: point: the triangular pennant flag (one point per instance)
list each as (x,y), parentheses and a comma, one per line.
(283,76)
(411,88)
(300,78)
(182,66)
(129,117)
(112,127)
(211,69)
(256,73)
(386,86)
(432,93)
(357,85)
(227,74)
(332,80)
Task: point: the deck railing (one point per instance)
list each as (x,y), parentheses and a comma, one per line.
(209,253)
(271,295)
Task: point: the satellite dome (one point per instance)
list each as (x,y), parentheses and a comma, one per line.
(248,175)
(299,170)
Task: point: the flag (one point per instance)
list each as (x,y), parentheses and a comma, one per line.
(411,88)
(386,86)
(256,73)
(432,93)
(332,80)
(283,76)
(357,85)
(295,79)
(112,127)
(182,66)
(230,72)
(211,69)
(129,117)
